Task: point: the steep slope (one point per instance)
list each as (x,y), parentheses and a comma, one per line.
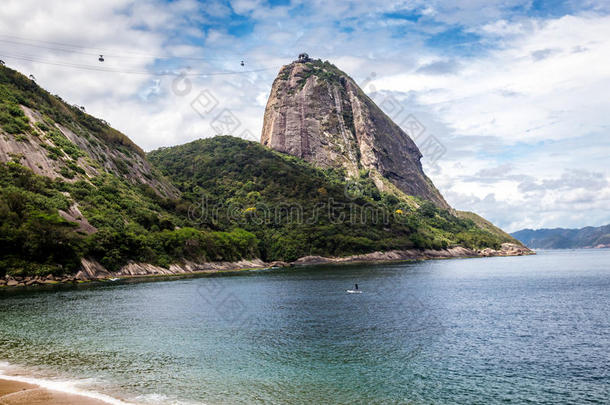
(57,140)
(318,113)
(560,238)
(71,187)
(77,195)
(297,209)
(488,226)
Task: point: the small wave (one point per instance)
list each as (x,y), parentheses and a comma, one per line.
(155,399)
(12,373)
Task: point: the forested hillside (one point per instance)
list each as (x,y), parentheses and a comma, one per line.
(72,187)
(295,209)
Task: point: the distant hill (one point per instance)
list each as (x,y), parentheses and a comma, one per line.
(560,238)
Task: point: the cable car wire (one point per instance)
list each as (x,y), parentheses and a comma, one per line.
(94,51)
(125,71)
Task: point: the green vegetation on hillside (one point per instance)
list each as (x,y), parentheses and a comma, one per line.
(325,71)
(296,210)
(487,226)
(239,200)
(16,89)
(132,224)
(124,221)
(12,118)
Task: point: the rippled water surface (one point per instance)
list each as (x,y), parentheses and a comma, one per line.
(478,331)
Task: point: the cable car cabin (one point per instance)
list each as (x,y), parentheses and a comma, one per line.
(101,58)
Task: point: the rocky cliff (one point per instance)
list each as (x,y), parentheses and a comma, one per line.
(318,113)
(74,191)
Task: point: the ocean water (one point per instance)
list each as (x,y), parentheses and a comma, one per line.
(531,329)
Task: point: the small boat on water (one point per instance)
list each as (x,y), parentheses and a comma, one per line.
(114,279)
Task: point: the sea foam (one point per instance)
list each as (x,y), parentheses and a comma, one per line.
(13,373)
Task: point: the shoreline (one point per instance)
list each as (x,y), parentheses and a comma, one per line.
(18,387)
(21,390)
(93,271)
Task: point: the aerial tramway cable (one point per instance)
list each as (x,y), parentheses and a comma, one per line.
(34,59)
(103,55)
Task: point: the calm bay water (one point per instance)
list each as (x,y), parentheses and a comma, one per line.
(519,330)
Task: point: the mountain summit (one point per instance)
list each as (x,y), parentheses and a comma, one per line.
(318,113)
(80,200)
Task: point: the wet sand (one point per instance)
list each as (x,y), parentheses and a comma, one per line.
(20,393)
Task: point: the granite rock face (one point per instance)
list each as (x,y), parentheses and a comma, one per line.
(318,113)
(31,149)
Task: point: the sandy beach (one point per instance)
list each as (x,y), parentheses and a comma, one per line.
(21,393)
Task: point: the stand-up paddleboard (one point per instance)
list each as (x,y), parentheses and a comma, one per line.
(355,290)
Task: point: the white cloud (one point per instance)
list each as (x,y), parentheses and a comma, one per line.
(509,94)
(537,105)
(526,111)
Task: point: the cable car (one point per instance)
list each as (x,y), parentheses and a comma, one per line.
(242,63)
(101,58)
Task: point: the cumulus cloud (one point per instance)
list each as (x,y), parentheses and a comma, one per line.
(439,68)
(543,53)
(577,179)
(475,101)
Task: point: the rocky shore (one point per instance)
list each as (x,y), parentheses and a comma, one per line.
(25,281)
(92,270)
(507,249)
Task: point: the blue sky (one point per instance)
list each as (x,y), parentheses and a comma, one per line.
(515,90)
